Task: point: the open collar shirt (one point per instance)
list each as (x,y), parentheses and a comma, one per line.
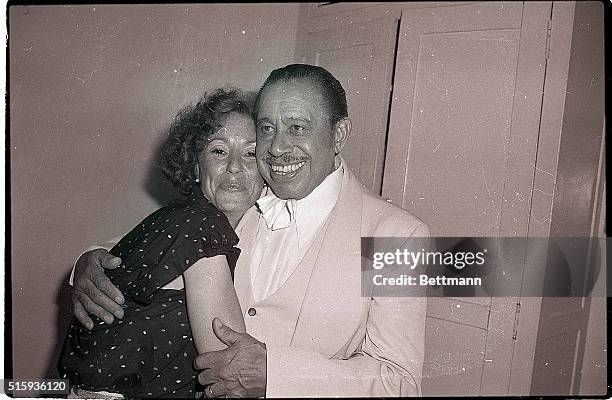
(278,251)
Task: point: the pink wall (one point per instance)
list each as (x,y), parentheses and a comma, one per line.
(92,90)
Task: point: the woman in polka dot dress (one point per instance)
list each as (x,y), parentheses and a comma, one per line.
(177,265)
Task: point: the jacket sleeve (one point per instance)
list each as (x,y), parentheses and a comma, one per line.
(389,362)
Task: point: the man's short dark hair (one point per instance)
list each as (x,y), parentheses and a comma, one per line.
(332,91)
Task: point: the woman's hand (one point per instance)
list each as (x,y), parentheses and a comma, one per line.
(93,292)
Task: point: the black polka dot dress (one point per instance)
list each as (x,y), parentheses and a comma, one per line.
(150,352)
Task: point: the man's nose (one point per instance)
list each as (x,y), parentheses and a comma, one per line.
(280,144)
(234,163)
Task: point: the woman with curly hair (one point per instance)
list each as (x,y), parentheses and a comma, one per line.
(177,265)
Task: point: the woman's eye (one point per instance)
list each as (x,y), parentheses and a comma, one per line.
(266,128)
(218,152)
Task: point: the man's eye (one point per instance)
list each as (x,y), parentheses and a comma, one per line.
(297,128)
(250,154)
(218,152)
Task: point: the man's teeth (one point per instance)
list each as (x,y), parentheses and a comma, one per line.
(287,169)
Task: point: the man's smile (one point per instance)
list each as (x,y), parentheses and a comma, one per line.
(285,169)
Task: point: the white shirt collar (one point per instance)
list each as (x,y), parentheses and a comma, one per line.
(313,210)
(323,198)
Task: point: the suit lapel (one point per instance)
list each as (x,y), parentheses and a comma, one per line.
(335,283)
(286,302)
(242,274)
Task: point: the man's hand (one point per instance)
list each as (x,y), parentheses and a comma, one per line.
(239,370)
(93,292)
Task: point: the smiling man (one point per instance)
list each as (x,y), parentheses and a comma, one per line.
(296,145)
(310,331)
(298,278)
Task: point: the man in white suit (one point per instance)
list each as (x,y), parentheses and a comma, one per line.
(310,329)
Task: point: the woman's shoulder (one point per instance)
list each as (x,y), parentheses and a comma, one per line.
(196,204)
(191,213)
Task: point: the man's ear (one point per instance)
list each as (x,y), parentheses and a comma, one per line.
(342,131)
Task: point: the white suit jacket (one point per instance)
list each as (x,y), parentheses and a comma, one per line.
(323,338)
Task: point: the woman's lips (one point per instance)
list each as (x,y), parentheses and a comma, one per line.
(232,186)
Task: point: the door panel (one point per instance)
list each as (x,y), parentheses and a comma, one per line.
(461,153)
(459,311)
(451,115)
(361,57)
(357,90)
(455,368)
(462,110)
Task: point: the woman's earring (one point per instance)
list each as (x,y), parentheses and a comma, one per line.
(337,161)
(197,180)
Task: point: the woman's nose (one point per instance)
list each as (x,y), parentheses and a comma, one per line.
(234,164)
(280,144)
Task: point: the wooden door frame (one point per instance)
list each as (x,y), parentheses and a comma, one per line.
(551,122)
(515,214)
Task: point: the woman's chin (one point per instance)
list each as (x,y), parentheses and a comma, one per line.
(234,201)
